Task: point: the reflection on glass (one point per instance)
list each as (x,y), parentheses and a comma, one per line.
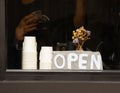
(53,21)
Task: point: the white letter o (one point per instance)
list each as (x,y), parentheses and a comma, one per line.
(55,61)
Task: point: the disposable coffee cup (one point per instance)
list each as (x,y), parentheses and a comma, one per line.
(46,57)
(45,65)
(29,53)
(29,47)
(29,66)
(46,53)
(29,44)
(29,57)
(29,40)
(29,60)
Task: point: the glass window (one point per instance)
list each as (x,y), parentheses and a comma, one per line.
(53,21)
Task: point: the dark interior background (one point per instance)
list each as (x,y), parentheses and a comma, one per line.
(57,9)
(15,10)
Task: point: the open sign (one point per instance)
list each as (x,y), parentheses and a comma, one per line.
(77,60)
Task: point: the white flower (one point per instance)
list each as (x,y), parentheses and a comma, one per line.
(89,32)
(76,40)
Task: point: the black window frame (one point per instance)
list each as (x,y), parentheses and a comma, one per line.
(3,42)
(3,56)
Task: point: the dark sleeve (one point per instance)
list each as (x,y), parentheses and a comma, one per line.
(110,51)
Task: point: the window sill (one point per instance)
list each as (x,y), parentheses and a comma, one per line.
(62,75)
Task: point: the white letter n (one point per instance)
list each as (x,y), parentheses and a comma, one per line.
(95,61)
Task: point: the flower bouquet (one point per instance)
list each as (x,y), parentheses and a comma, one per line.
(80,36)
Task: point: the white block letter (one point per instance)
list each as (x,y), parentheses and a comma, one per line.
(83,62)
(56,63)
(96,61)
(72,57)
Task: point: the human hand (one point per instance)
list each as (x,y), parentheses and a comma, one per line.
(26,25)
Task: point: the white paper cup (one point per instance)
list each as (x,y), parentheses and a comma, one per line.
(29,66)
(45,65)
(29,60)
(29,39)
(29,44)
(30,47)
(46,57)
(29,53)
(46,53)
(29,57)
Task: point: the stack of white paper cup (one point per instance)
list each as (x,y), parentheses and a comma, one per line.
(29,53)
(46,57)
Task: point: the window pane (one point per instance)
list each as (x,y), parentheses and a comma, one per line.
(53,21)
